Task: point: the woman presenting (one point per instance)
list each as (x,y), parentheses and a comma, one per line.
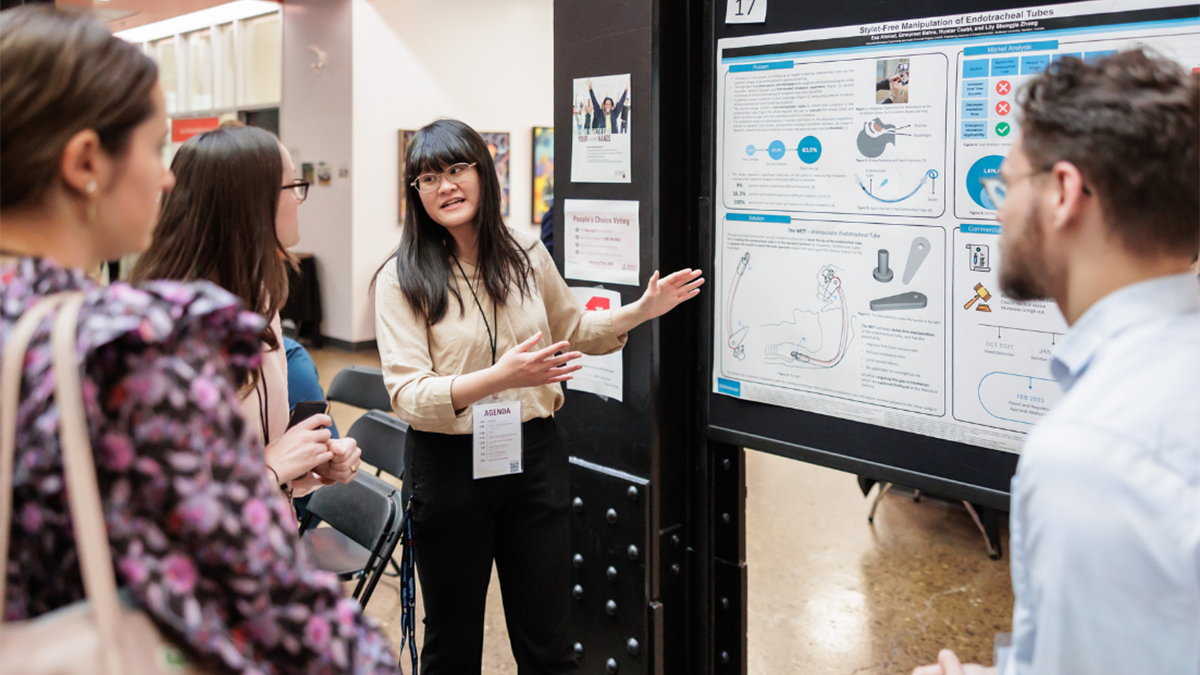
(470,312)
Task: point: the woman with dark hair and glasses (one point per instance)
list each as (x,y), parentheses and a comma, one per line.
(473,318)
(203,543)
(230,219)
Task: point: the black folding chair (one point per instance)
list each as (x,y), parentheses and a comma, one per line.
(381,439)
(364,518)
(361,387)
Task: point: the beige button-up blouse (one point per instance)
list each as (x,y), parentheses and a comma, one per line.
(420,361)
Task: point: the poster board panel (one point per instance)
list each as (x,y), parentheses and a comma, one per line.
(857,318)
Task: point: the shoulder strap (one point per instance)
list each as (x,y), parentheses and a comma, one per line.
(83,492)
(11,369)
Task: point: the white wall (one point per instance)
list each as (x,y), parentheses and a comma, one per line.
(489,63)
(400,64)
(315,121)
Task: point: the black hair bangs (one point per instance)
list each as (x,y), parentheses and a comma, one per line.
(436,147)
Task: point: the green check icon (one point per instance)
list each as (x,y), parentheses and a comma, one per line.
(1002,129)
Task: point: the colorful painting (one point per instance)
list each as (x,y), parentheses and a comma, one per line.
(498,145)
(543,172)
(405,137)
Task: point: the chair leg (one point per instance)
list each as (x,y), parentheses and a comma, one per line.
(394,566)
(883,490)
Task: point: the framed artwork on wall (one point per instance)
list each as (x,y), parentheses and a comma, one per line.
(405,136)
(498,144)
(543,172)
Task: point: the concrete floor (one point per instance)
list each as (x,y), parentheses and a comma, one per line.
(829,593)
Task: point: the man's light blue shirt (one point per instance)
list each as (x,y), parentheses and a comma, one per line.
(1105,521)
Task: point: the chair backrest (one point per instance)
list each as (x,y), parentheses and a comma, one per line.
(361,387)
(362,509)
(381,438)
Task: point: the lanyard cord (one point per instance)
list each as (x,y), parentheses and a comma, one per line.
(264,406)
(408,592)
(492,339)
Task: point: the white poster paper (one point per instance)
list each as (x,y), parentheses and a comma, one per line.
(856,251)
(601,240)
(746,11)
(601,375)
(602,126)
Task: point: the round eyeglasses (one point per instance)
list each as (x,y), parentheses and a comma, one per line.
(455,173)
(299,189)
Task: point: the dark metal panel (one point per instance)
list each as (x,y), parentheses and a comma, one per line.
(610,538)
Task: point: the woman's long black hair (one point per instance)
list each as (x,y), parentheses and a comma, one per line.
(423,261)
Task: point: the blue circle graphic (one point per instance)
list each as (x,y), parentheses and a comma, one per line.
(776,149)
(750,150)
(809,149)
(986,166)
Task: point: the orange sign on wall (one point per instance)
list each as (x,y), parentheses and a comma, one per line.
(181,130)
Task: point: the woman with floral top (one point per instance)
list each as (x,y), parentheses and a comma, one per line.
(230,219)
(202,540)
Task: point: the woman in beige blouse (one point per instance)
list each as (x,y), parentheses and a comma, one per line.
(469,312)
(229,220)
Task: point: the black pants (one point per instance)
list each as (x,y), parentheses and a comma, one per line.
(460,525)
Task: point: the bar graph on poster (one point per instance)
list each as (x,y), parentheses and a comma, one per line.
(856,253)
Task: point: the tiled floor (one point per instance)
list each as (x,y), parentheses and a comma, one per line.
(829,593)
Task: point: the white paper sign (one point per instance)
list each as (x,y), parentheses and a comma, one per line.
(496,441)
(601,129)
(601,375)
(601,240)
(746,11)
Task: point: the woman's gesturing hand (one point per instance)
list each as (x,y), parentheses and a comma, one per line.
(520,367)
(662,295)
(302,448)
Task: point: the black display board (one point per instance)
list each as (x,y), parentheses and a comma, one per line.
(955,470)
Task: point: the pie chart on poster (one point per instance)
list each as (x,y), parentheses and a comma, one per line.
(988,165)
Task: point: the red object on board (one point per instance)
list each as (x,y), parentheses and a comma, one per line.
(597,303)
(1002,108)
(1003,87)
(181,130)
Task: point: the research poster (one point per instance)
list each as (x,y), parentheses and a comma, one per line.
(857,254)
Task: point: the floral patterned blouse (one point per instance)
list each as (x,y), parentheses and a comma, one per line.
(204,542)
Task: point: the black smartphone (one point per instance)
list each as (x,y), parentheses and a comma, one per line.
(306,409)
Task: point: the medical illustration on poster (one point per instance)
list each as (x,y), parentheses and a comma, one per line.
(856,252)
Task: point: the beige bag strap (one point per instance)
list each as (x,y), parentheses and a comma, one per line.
(83,492)
(13,367)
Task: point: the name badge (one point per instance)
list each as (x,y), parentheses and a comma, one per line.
(496,441)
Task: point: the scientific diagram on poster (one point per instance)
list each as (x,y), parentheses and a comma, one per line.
(857,255)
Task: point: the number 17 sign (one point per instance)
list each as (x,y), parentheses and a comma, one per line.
(746,11)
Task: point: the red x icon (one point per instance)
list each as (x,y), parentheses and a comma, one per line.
(1002,108)
(1003,87)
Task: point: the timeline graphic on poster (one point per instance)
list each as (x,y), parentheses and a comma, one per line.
(857,255)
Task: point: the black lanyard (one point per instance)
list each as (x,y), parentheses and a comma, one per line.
(491,338)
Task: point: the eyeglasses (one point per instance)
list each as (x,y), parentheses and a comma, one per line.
(455,173)
(299,189)
(996,188)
